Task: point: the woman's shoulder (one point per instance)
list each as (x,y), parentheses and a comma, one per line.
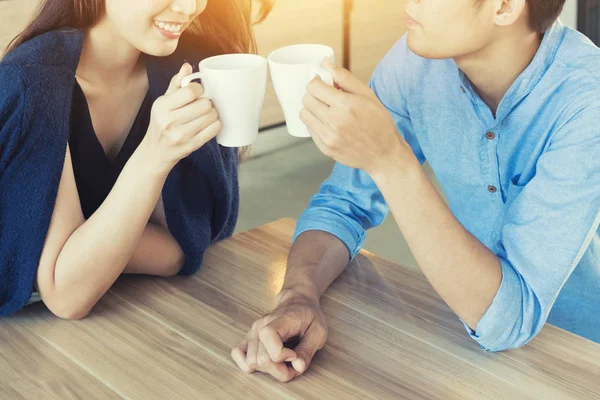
(34,81)
(54,52)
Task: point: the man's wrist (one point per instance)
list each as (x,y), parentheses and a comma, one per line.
(398,162)
(298,289)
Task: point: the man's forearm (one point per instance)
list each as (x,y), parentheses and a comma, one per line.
(316,260)
(464,272)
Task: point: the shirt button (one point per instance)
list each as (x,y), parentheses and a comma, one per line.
(492,189)
(490,135)
(463,89)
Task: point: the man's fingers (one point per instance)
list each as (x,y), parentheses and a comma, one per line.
(325,93)
(313,123)
(239,356)
(312,341)
(243,346)
(279,371)
(315,106)
(318,131)
(348,82)
(272,337)
(252,354)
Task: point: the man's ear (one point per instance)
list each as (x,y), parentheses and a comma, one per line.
(509,11)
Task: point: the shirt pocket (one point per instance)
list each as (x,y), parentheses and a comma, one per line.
(515,187)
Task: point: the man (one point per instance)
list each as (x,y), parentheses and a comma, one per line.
(504,103)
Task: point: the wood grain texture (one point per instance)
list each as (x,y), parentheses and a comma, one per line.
(391,337)
(30,368)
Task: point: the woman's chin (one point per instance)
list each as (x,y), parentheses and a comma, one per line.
(163,49)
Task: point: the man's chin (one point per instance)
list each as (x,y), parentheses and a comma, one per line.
(423,48)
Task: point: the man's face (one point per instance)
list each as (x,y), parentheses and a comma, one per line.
(449,28)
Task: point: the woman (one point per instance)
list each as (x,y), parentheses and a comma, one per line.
(106,167)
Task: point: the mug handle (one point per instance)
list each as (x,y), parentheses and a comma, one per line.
(322,73)
(198,75)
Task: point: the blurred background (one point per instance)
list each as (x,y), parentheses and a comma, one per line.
(283,172)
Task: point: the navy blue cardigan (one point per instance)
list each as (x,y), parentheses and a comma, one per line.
(36,87)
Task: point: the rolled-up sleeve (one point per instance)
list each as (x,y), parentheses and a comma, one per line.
(349,203)
(547,229)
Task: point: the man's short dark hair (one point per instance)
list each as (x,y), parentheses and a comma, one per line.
(543,13)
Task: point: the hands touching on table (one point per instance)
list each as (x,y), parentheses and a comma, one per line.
(297,317)
(350,125)
(316,260)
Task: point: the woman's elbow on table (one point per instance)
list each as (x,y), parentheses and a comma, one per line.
(61,299)
(67,310)
(73,314)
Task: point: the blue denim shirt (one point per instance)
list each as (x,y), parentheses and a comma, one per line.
(525,182)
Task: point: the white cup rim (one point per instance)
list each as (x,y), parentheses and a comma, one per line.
(261,61)
(272,58)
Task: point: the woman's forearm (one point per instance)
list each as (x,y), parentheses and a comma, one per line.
(158,253)
(98,251)
(159,216)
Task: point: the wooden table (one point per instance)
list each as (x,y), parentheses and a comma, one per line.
(391,337)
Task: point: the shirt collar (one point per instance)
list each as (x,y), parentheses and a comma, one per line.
(530,77)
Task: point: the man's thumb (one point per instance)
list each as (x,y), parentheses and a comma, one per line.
(311,342)
(344,80)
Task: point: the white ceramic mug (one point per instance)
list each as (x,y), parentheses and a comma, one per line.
(236,84)
(292,69)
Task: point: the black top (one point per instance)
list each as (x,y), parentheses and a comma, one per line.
(95,174)
(200,195)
